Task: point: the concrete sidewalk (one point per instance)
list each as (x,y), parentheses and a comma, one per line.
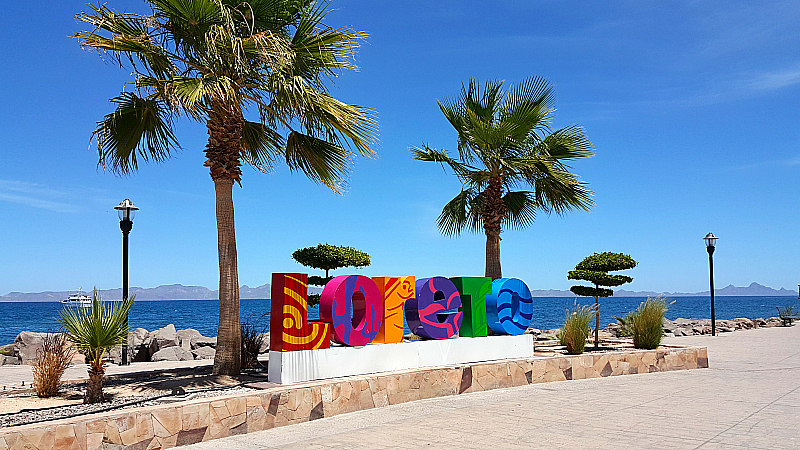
(749,398)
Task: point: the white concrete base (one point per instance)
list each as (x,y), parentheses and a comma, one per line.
(334,362)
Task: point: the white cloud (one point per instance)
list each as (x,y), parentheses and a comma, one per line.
(777,80)
(35,195)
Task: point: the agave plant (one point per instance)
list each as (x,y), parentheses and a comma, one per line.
(94,331)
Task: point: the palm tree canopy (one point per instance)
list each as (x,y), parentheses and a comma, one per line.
(506,138)
(209,58)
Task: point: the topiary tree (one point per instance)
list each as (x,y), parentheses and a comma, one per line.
(594,269)
(328,257)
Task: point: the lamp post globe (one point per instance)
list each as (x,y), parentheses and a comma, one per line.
(711,244)
(126,210)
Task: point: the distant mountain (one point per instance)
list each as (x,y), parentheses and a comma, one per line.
(181,292)
(163,292)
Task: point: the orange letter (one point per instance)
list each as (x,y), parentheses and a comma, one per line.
(395,292)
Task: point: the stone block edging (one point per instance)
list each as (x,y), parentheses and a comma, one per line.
(176,424)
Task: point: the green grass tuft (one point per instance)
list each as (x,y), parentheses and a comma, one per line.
(576,328)
(646,323)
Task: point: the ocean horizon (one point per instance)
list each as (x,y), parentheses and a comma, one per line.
(203,315)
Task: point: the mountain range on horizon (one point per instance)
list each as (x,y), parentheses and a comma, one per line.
(181,292)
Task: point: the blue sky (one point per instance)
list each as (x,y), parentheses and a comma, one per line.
(691,107)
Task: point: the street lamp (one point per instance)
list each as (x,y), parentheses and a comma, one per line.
(711,242)
(126,211)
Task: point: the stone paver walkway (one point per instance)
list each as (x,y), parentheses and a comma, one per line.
(749,398)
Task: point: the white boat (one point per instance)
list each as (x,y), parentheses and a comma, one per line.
(78,299)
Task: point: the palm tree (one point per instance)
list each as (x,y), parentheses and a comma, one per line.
(217,61)
(94,331)
(505,142)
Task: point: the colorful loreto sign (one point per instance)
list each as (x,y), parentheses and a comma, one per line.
(356,310)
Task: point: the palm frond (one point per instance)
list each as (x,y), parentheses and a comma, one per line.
(138,128)
(97,329)
(458,213)
(521,209)
(321,161)
(262,145)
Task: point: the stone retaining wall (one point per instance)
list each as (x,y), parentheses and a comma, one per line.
(167,426)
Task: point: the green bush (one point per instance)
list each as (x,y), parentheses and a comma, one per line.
(646,323)
(576,328)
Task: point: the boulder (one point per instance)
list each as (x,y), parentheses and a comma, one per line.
(186,336)
(172,353)
(27,343)
(264,343)
(8,350)
(204,353)
(161,339)
(203,341)
(678,332)
(9,360)
(138,351)
(668,325)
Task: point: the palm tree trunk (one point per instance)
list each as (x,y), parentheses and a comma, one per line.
(493,214)
(493,268)
(227,359)
(223,153)
(94,387)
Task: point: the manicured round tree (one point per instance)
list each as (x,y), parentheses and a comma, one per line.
(328,257)
(594,269)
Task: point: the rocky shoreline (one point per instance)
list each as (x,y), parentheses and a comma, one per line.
(675,328)
(164,344)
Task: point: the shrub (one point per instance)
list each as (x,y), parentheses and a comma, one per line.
(252,339)
(646,323)
(52,359)
(576,328)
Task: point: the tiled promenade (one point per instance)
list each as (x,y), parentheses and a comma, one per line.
(749,398)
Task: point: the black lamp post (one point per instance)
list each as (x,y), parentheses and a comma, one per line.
(711,242)
(126,211)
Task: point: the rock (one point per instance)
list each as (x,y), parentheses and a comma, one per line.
(549,334)
(204,353)
(668,334)
(8,350)
(533,331)
(9,360)
(186,336)
(668,325)
(683,322)
(724,329)
(743,323)
(172,353)
(203,341)
(138,351)
(264,343)
(26,343)
(678,332)
(162,338)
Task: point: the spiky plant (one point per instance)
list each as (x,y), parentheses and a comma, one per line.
(94,331)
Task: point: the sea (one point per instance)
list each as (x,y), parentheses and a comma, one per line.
(203,315)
